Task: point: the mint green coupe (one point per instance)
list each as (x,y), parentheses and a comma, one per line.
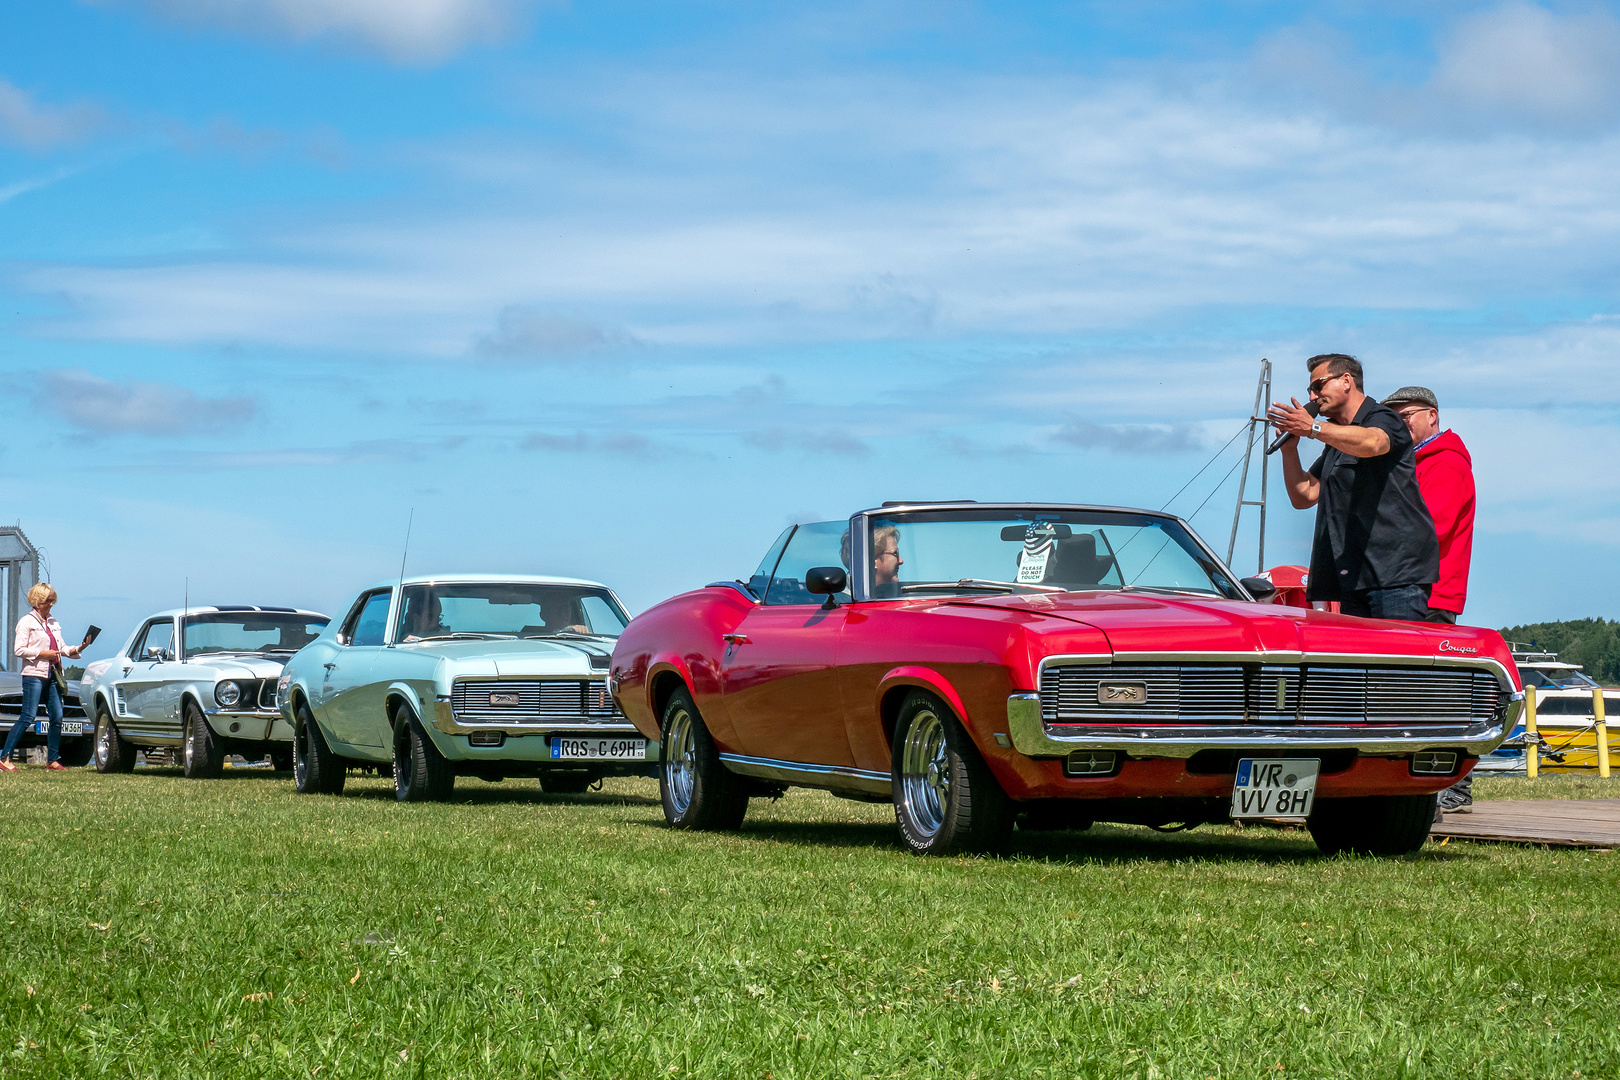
(488,676)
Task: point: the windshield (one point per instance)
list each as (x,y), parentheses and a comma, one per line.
(1554,679)
(250,632)
(431,612)
(1037,551)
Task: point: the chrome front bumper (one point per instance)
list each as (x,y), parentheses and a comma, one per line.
(444,718)
(1032,738)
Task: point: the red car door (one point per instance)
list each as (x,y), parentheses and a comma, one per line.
(778,673)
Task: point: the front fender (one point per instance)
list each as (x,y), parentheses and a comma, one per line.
(925,678)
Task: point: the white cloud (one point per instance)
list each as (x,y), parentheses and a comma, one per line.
(103,406)
(737,214)
(25,122)
(409,31)
(1530,62)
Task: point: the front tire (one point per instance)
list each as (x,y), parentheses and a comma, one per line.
(697,790)
(421,774)
(945,799)
(113,754)
(1373,825)
(316,770)
(202,757)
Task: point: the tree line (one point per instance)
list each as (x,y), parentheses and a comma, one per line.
(1592,643)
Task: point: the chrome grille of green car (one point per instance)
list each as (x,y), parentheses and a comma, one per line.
(531,701)
(1264,694)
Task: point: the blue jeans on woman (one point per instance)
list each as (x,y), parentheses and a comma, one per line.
(34,688)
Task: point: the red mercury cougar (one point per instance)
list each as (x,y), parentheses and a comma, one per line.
(1047,666)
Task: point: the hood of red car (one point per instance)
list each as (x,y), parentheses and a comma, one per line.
(1163,622)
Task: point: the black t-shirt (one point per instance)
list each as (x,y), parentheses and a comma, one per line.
(1373,530)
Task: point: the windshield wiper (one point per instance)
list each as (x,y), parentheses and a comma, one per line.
(982,585)
(564,634)
(464,634)
(1169,589)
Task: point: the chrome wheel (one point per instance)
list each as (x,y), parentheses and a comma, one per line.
(103,742)
(190,749)
(301,758)
(680,761)
(925,773)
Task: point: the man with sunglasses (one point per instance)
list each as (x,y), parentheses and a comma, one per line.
(1375,549)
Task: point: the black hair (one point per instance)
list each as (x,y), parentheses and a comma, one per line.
(1338,364)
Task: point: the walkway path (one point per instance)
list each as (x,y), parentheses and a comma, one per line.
(1593,823)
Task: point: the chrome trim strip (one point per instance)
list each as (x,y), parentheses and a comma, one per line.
(1032,739)
(823,776)
(1284,657)
(446,722)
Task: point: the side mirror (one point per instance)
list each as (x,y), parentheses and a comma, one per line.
(154,652)
(1259,587)
(828,580)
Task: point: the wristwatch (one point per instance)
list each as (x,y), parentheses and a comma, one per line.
(1316,428)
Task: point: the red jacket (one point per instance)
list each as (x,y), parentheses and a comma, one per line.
(1445,475)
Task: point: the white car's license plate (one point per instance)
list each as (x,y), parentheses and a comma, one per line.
(69,727)
(1274,787)
(572,748)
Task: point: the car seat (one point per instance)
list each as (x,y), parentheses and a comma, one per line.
(1074,562)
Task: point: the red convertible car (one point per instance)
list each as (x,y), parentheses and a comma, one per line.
(991,665)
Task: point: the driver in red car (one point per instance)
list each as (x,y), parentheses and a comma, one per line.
(886,562)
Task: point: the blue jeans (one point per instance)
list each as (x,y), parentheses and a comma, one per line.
(1409,602)
(34,688)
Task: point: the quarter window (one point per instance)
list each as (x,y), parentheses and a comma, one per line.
(366,624)
(822,543)
(159,633)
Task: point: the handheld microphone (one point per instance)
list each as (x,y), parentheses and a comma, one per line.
(1311,407)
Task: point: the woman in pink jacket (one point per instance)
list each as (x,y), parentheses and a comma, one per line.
(39,643)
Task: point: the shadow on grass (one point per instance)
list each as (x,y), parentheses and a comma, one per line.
(1101,844)
(506,792)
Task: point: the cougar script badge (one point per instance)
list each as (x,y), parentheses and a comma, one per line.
(503,699)
(1121,693)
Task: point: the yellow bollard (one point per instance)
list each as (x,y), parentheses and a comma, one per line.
(1532,738)
(1602,731)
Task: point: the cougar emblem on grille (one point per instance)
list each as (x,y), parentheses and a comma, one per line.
(503,699)
(1128,693)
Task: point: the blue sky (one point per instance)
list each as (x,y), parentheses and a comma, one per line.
(617,290)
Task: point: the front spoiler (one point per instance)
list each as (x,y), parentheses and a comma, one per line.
(1032,738)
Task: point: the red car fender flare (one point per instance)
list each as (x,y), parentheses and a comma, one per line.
(927,679)
(657,668)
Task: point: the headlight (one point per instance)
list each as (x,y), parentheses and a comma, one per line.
(227,694)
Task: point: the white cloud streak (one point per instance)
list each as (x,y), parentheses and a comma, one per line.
(27,123)
(1527,61)
(105,407)
(404,31)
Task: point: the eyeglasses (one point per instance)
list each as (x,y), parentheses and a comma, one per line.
(1316,387)
(1409,413)
(884,554)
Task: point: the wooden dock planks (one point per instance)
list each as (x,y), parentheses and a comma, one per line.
(1593,823)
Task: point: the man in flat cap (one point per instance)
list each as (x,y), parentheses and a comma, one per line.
(1445,475)
(1374,550)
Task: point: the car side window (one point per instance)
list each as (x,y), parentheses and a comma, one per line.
(366,625)
(159,633)
(821,543)
(762,577)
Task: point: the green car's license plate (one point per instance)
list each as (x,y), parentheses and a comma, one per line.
(572,748)
(1274,787)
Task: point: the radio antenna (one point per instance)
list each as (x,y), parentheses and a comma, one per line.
(403,555)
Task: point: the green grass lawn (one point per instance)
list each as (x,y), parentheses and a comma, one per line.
(157,927)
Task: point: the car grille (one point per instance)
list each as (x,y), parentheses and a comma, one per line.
(1265,694)
(11,705)
(538,701)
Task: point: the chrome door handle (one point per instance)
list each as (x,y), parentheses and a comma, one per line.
(736,639)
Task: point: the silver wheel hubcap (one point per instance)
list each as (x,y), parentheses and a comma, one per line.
(680,761)
(103,741)
(925,774)
(191,744)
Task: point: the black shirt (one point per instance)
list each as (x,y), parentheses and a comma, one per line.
(1373,530)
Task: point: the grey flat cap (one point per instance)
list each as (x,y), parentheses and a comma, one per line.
(1413,395)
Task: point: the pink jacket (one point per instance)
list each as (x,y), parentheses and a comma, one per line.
(34,637)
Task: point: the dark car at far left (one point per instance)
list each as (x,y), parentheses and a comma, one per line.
(78,733)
